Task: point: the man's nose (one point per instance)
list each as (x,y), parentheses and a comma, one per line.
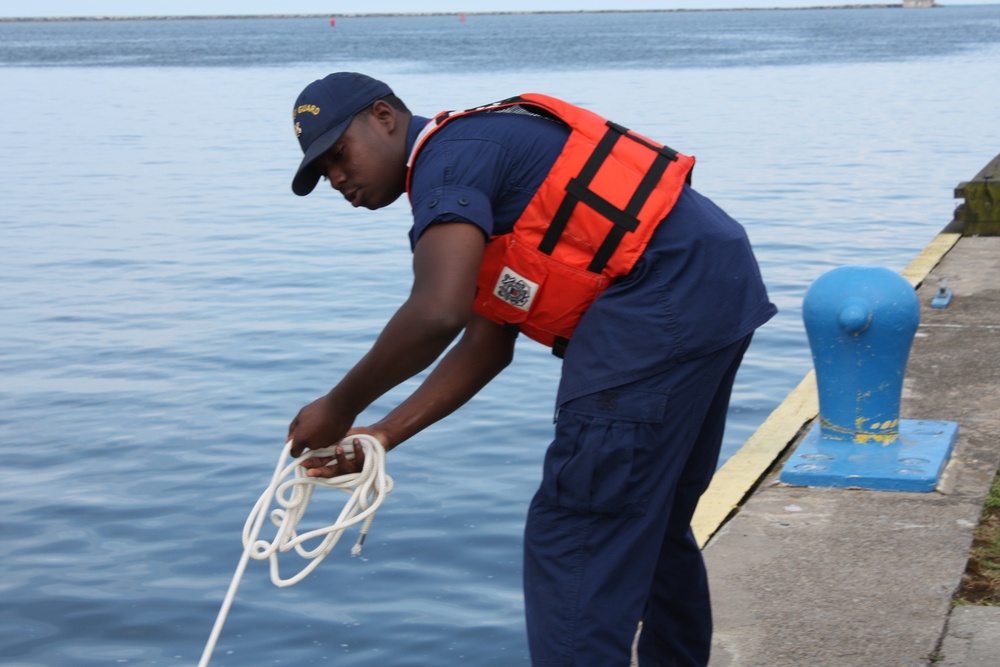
(336,177)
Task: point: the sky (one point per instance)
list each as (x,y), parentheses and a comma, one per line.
(60,8)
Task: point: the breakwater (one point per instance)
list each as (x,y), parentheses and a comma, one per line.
(418,14)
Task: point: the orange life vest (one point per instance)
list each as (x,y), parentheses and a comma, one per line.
(587,224)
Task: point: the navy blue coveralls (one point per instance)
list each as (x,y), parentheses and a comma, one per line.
(641,405)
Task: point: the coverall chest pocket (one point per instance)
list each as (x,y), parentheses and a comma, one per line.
(600,460)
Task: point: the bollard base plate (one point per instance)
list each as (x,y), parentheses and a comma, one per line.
(914,462)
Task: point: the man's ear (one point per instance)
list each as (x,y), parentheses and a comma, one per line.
(385,115)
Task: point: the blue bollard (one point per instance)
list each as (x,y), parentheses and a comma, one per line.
(861,321)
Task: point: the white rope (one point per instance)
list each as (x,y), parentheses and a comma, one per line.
(367,490)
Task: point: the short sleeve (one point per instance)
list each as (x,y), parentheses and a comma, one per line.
(482,169)
(450,203)
(457,178)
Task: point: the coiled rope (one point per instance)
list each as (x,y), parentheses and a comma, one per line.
(367,490)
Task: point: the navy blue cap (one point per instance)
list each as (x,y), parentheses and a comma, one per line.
(321,114)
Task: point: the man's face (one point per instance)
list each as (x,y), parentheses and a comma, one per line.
(368,163)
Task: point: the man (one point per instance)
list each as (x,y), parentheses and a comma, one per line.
(535,216)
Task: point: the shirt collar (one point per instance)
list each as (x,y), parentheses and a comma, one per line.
(417,124)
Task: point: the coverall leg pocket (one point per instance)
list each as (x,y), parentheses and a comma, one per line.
(599,462)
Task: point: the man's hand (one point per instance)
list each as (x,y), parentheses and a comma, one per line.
(319,424)
(345,462)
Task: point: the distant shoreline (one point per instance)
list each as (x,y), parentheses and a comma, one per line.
(394,14)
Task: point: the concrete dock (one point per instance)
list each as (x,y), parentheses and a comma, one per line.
(805,577)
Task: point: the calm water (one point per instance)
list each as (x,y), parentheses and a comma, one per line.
(168,304)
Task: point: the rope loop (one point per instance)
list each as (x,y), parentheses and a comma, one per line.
(291,489)
(367,490)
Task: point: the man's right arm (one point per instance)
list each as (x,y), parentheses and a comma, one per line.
(446,264)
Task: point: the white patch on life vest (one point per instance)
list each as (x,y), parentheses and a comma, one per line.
(515,289)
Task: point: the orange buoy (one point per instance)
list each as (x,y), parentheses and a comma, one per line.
(461,17)
(333,21)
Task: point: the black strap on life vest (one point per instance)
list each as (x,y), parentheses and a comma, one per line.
(559,346)
(511,329)
(578,190)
